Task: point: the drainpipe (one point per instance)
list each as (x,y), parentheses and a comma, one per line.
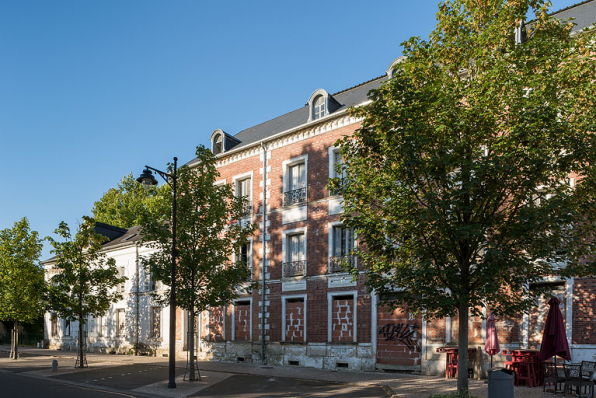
(263,273)
(137,298)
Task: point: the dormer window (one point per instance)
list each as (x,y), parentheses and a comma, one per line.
(222,142)
(218,145)
(321,104)
(318,108)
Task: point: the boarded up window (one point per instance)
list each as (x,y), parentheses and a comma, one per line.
(242,321)
(294,327)
(342,319)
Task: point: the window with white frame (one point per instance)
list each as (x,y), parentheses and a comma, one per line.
(54,324)
(99,325)
(120,322)
(244,190)
(294,318)
(244,254)
(318,108)
(341,244)
(336,161)
(218,144)
(155,331)
(295,182)
(122,286)
(294,253)
(342,316)
(67,327)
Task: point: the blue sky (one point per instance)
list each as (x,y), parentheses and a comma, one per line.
(92,90)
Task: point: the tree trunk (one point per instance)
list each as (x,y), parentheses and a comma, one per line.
(462,362)
(14,343)
(81,344)
(191,344)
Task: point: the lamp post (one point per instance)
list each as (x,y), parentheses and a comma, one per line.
(148,181)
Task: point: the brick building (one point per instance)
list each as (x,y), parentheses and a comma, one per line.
(310,312)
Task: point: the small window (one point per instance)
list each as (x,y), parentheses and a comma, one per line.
(66,327)
(295,258)
(122,286)
(155,322)
(244,254)
(99,325)
(218,145)
(54,324)
(318,109)
(120,322)
(336,161)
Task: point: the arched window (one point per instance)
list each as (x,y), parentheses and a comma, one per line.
(218,144)
(318,109)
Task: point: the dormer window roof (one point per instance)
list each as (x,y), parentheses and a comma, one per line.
(391,70)
(222,141)
(321,104)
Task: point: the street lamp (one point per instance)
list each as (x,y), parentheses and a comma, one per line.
(148,181)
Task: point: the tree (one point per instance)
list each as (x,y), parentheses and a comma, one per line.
(126,205)
(82,277)
(22,282)
(473,173)
(207,236)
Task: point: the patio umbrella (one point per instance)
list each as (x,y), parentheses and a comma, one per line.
(491,344)
(554,338)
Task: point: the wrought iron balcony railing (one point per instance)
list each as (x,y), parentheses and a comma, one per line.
(295,268)
(295,196)
(247,209)
(337,263)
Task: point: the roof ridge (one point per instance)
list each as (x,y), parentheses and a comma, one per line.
(368,81)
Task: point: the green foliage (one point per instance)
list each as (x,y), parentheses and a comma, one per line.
(22,283)
(126,205)
(82,278)
(206,240)
(458,182)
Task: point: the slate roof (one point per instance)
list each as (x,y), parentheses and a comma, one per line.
(118,237)
(349,97)
(584,14)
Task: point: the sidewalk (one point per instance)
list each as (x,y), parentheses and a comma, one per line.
(147,376)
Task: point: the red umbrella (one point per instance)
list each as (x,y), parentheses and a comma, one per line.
(554,338)
(491,344)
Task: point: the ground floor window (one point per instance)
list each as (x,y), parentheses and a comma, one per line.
(156,322)
(120,322)
(242,320)
(342,317)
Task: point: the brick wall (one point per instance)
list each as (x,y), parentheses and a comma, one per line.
(398,337)
(215,329)
(584,311)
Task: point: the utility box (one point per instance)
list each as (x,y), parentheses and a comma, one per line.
(500,383)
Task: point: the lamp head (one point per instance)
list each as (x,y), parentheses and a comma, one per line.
(147,180)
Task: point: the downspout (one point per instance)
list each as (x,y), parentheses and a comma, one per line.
(137,314)
(264,259)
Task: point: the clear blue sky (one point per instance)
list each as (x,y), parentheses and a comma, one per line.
(92,90)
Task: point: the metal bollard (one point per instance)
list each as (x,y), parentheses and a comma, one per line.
(55,365)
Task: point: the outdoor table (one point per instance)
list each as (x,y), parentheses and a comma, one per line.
(525,356)
(451,359)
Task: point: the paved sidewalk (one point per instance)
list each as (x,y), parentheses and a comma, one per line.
(147,376)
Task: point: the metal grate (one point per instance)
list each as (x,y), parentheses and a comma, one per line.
(295,268)
(294,197)
(335,263)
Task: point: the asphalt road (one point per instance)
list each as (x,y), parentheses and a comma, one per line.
(251,386)
(14,385)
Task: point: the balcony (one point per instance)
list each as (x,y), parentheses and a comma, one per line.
(246,209)
(336,262)
(294,268)
(295,196)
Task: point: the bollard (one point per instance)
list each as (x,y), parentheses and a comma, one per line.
(38,344)
(55,365)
